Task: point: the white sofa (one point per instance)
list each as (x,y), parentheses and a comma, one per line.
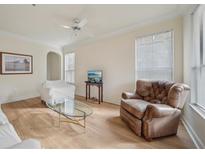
(10,139)
(56,89)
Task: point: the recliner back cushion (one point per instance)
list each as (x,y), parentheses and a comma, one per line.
(161,90)
(154,91)
(144,88)
(55,83)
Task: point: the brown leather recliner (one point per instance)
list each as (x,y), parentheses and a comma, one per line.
(154,109)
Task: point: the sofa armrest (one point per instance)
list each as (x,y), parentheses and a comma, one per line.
(27,144)
(128,95)
(159,111)
(45,93)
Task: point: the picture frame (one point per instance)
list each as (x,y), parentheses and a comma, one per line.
(14,63)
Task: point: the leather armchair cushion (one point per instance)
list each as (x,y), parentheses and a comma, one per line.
(154,91)
(144,88)
(136,107)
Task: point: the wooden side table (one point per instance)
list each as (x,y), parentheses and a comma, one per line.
(100,90)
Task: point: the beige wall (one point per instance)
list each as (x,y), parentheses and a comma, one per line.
(18,87)
(53,66)
(115,56)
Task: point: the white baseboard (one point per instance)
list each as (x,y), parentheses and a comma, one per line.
(110,102)
(18,98)
(197,141)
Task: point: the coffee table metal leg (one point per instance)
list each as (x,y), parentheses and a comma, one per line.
(77,122)
(71,120)
(84,120)
(59,118)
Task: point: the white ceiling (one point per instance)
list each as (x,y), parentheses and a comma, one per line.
(43,22)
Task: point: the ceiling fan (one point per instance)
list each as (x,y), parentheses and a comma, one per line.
(77,25)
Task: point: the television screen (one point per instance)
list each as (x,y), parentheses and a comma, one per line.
(95,76)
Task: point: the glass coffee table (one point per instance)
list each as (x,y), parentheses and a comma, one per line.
(74,110)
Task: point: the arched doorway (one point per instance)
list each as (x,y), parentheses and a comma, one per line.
(53,66)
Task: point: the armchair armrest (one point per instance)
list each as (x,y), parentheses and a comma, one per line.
(159,111)
(45,93)
(128,95)
(177,95)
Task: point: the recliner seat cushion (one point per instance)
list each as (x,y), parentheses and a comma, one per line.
(136,107)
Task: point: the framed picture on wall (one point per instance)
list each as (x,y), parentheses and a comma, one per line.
(13,63)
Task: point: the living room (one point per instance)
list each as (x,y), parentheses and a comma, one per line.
(98,76)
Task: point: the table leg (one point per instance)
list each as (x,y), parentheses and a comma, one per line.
(102,93)
(89,91)
(86,93)
(59,120)
(84,121)
(99,94)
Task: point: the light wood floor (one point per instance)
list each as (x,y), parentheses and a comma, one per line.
(104,129)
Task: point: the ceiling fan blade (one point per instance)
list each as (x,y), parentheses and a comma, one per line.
(66,26)
(83,22)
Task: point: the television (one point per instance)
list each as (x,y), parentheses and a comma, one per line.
(95,76)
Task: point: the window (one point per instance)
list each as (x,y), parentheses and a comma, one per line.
(70,67)
(200,76)
(198,57)
(154,57)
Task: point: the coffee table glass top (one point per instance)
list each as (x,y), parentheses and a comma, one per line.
(71,108)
